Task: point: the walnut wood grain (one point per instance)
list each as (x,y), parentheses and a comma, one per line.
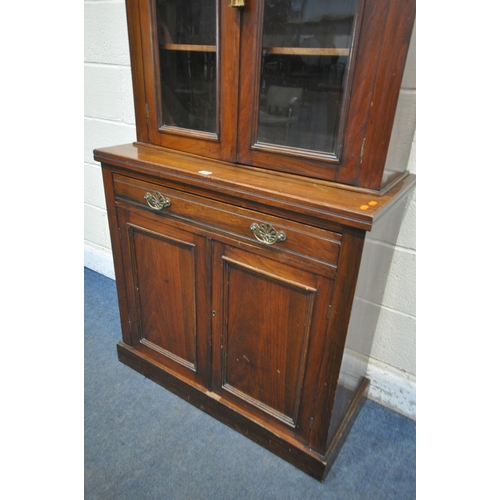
(257,335)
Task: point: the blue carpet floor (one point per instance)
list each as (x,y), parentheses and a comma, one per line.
(144,443)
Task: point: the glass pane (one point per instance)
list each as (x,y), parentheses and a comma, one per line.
(305,53)
(187,35)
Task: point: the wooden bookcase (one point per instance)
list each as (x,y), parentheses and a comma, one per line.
(239,216)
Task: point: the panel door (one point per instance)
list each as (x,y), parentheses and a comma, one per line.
(269,330)
(167,283)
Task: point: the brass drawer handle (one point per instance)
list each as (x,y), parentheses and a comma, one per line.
(236,3)
(266,233)
(157,201)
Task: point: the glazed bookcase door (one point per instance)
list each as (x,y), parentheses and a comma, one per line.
(303,52)
(322,97)
(308,87)
(186,108)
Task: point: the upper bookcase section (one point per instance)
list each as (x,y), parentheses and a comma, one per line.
(307,87)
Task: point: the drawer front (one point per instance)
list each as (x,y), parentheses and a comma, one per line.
(268,231)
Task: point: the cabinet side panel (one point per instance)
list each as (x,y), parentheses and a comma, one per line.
(397,35)
(374,270)
(328,386)
(136,62)
(107,176)
(403,129)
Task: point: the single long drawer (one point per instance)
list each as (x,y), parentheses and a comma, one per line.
(269,231)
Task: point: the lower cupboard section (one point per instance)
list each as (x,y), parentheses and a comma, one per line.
(243,313)
(237,296)
(282,445)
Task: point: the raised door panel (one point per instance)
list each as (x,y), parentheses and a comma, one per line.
(270,331)
(167,287)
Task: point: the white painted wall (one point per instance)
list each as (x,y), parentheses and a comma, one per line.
(109,120)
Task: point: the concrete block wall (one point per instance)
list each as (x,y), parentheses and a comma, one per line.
(109,120)
(108,115)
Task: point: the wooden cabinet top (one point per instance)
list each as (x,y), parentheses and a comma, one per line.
(305,199)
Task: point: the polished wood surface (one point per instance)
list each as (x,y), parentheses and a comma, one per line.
(247,187)
(301,240)
(169,327)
